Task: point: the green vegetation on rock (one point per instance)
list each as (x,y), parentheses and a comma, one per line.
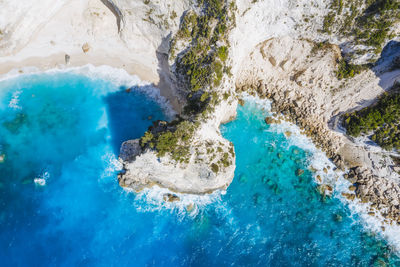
(347,70)
(367,22)
(199,69)
(174,138)
(201,65)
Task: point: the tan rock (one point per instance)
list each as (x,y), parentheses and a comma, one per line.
(85,47)
(352,188)
(171,197)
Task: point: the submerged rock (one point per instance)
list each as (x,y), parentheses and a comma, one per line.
(14,125)
(256,198)
(299,172)
(338,217)
(190,208)
(26,181)
(243,178)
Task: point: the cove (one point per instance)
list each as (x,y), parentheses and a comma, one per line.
(65,129)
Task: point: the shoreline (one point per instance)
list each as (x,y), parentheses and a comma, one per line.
(328,178)
(58,62)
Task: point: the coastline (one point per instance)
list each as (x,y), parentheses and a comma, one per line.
(57,61)
(330,180)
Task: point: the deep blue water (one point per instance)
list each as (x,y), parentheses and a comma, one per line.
(67,129)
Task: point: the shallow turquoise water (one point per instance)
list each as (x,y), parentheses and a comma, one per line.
(67,128)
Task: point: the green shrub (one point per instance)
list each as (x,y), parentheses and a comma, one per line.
(222,53)
(347,70)
(214,168)
(147,139)
(166,142)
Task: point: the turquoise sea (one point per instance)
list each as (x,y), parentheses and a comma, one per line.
(61,204)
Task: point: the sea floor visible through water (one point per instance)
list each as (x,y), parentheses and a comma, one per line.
(61,204)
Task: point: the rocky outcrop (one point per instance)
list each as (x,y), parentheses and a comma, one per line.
(188,154)
(382,194)
(143,169)
(130,150)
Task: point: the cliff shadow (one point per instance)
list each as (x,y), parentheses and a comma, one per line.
(130,111)
(116,12)
(387,67)
(167,82)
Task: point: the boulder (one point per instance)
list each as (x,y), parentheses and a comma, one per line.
(85,47)
(352,188)
(269,120)
(67,59)
(171,197)
(130,150)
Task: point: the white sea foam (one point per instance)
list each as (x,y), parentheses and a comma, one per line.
(189,204)
(15,100)
(328,173)
(112,165)
(42,179)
